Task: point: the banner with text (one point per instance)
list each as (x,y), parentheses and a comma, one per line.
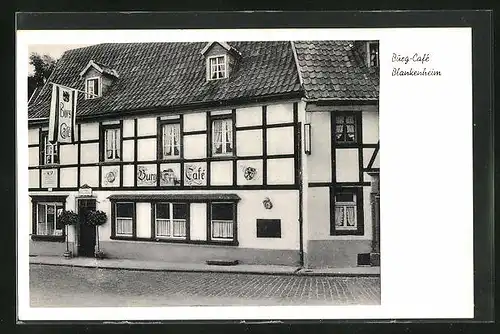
(62,119)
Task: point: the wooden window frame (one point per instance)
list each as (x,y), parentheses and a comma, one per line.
(160,137)
(369,62)
(44,136)
(102,140)
(89,95)
(35,200)
(358,193)
(154,218)
(209,67)
(357,127)
(210,134)
(234,239)
(114,235)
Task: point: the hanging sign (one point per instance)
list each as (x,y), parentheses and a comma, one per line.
(146,175)
(62,114)
(195,174)
(49,178)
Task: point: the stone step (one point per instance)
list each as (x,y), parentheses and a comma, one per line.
(222,262)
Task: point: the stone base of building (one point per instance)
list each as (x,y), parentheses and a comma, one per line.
(192,253)
(335,253)
(50,248)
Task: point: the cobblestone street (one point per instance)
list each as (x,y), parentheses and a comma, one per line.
(58,286)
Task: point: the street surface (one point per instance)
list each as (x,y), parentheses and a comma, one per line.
(59,286)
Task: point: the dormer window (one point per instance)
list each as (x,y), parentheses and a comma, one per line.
(93,88)
(98,79)
(217,67)
(221,60)
(372,54)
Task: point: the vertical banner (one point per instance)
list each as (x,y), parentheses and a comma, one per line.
(62,119)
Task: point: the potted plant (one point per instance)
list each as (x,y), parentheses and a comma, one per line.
(67,217)
(96,219)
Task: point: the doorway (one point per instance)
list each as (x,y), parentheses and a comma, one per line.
(87,234)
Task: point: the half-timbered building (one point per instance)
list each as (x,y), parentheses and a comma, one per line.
(261,152)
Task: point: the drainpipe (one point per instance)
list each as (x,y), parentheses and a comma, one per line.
(301,227)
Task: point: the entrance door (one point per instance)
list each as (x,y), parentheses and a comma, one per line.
(86,236)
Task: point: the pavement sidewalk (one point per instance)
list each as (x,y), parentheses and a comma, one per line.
(200,267)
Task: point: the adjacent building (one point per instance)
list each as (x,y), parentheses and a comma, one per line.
(261,152)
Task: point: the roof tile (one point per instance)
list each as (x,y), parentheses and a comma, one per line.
(348,76)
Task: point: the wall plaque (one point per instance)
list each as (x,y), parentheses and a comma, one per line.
(49,178)
(268,228)
(85,190)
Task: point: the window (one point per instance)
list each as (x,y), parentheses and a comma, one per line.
(46,219)
(222,221)
(124,219)
(347,212)
(112,144)
(93,88)
(222,136)
(171,220)
(345,129)
(171,140)
(373,59)
(217,67)
(49,153)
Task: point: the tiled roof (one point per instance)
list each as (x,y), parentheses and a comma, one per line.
(156,75)
(163,75)
(336,70)
(107,69)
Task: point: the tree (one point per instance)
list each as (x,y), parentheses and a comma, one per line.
(43,66)
(97,218)
(67,217)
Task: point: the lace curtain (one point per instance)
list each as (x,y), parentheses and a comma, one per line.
(171,140)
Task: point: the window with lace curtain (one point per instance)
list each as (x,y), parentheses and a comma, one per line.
(171,220)
(222,221)
(345,129)
(171,140)
(222,136)
(124,219)
(112,142)
(345,211)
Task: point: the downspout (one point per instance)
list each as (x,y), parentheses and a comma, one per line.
(299,164)
(301,195)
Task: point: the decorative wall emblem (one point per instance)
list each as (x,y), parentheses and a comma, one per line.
(267,203)
(249,173)
(195,174)
(111,177)
(146,175)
